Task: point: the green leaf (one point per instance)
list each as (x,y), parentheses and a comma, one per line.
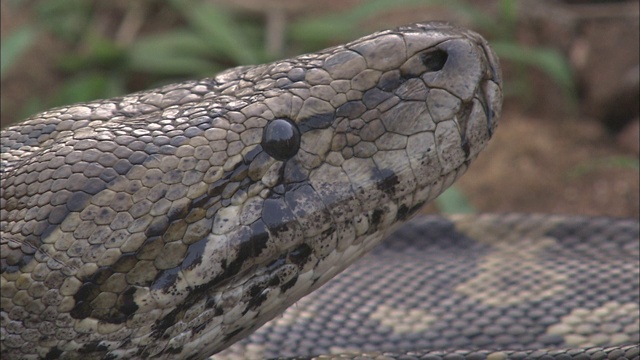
(101,52)
(222,33)
(84,88)
(170,65)
(180,52)
(315,32)
(453,201)
(170,43)
(13,46)
(620,162)
(549,61)
(33,105)
(67,19)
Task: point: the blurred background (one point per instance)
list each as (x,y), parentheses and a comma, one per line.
(568,141)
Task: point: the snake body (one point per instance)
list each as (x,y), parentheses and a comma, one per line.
(173,222)
(487,286)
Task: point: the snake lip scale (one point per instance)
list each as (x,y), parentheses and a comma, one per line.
(172,222)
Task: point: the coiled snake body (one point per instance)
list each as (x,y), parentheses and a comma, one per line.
(173,222)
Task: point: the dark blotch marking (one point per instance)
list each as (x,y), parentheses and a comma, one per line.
(195,295)
(150,248)
(375,97)
(176,350)
(179,140)
(215,112)
(305,194)
(404,212)
(488,112)
(157,227)
(217,187)
(172,176)
(200,201)
(166,322)
(15,267)
(108,174)
(351,109)
(232,334)
(200,327)
(390,81)
(81,310)
(239,174)
(293,173)
(58,214)
(175,213)
(276,215)
(94,185)
(193,257)
(316,121)
(92,347)
(248,158)
(300,255)
(257,298)
(376,216)
(259,233)
(279,190)
(466,147)
(415,209)
(126,305)
(48,129)
(78,201)
(122,166)
(249,246)
(53,354)
(463,118)
(87,292)
(137,157)
(289,284)
(101,275)
(8,266)
(386,180)
(125,263)
(165,279)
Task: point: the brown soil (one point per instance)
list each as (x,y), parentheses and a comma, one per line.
(545,165)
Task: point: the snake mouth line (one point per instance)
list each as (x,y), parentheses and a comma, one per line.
(490,90)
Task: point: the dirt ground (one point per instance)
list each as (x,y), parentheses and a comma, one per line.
(546,165)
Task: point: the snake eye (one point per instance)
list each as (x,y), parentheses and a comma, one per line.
(434,60)
(281,139)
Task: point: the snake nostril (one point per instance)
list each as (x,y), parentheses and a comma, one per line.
(434,60)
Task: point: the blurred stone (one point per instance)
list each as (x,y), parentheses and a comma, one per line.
(601,41)
(629,137)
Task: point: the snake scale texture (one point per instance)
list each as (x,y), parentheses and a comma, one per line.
(174,222)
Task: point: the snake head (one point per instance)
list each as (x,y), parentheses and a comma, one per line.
(170,223)
(356,138)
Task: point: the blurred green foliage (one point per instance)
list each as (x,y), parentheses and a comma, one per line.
(206,39)
(13,46)
(200,39)
(608,162)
